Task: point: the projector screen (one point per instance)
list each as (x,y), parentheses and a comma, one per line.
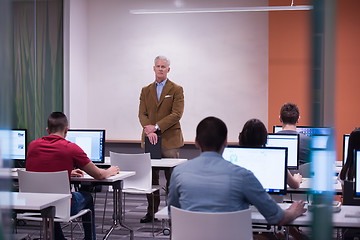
(220,59)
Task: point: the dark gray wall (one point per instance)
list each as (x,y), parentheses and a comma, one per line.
(188,151)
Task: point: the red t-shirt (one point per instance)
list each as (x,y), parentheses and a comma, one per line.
(54,153)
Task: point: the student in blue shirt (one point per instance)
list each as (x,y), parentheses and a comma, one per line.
(209,183)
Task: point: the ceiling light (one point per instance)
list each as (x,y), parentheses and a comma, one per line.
(223,10)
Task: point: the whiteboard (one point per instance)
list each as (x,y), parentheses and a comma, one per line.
(220,59)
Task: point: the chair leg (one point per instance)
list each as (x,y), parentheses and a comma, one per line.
(123,207)
(153,213)
(92,224)
(95,197)
(71,231)
(103,218)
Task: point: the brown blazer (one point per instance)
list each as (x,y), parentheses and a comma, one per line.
(166,113)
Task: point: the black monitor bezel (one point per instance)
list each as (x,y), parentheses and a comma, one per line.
(282,191)
(104,139)
(298,147)
(276,126)
(356,162)
(344,150)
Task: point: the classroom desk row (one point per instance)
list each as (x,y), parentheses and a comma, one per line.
(116,183)
(45,203)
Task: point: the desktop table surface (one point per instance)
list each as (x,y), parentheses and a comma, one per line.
(345,218)
(86,178)
(30,201)
(167,162)
(305,186)
(349,216)
(163,162)
(120,176)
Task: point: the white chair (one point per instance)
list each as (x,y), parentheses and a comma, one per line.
(210,226)
(141,182)
(49,182)
(304,170)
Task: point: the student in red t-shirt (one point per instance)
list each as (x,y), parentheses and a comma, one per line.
(54,153)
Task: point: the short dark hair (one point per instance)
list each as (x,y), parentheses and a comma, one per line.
(57,122)
(289,113)
(211,133)
(253,134)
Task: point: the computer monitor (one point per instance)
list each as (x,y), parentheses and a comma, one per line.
(269,165)
(345,147)
(277,129)
(320,167)
(319,141)
(291,141)
(91,141)
(309,131)
(13,144)
(357,174)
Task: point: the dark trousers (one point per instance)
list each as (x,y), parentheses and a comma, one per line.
(166,153)
(80,201)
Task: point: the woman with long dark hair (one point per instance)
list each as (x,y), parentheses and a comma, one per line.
(348,170)
(254,134)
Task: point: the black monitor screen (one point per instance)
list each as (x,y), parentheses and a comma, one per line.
(357,173)
(91,141)
(13,144)
(291,141)
(345,147)
(268,164)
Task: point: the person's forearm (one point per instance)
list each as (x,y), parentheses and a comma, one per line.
(289,216)
(293,183)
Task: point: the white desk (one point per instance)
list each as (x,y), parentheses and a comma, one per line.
(166,162)
(116,183)
(340,219)
(159,163)
(305,187)
(39,202)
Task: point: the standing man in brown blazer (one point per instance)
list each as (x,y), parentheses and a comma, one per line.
(161,107)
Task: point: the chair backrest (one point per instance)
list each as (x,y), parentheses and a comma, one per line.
(47,182)
(304,170)
(140,163)
(210,226)
(44,182)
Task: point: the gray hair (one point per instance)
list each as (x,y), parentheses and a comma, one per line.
(162,58)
